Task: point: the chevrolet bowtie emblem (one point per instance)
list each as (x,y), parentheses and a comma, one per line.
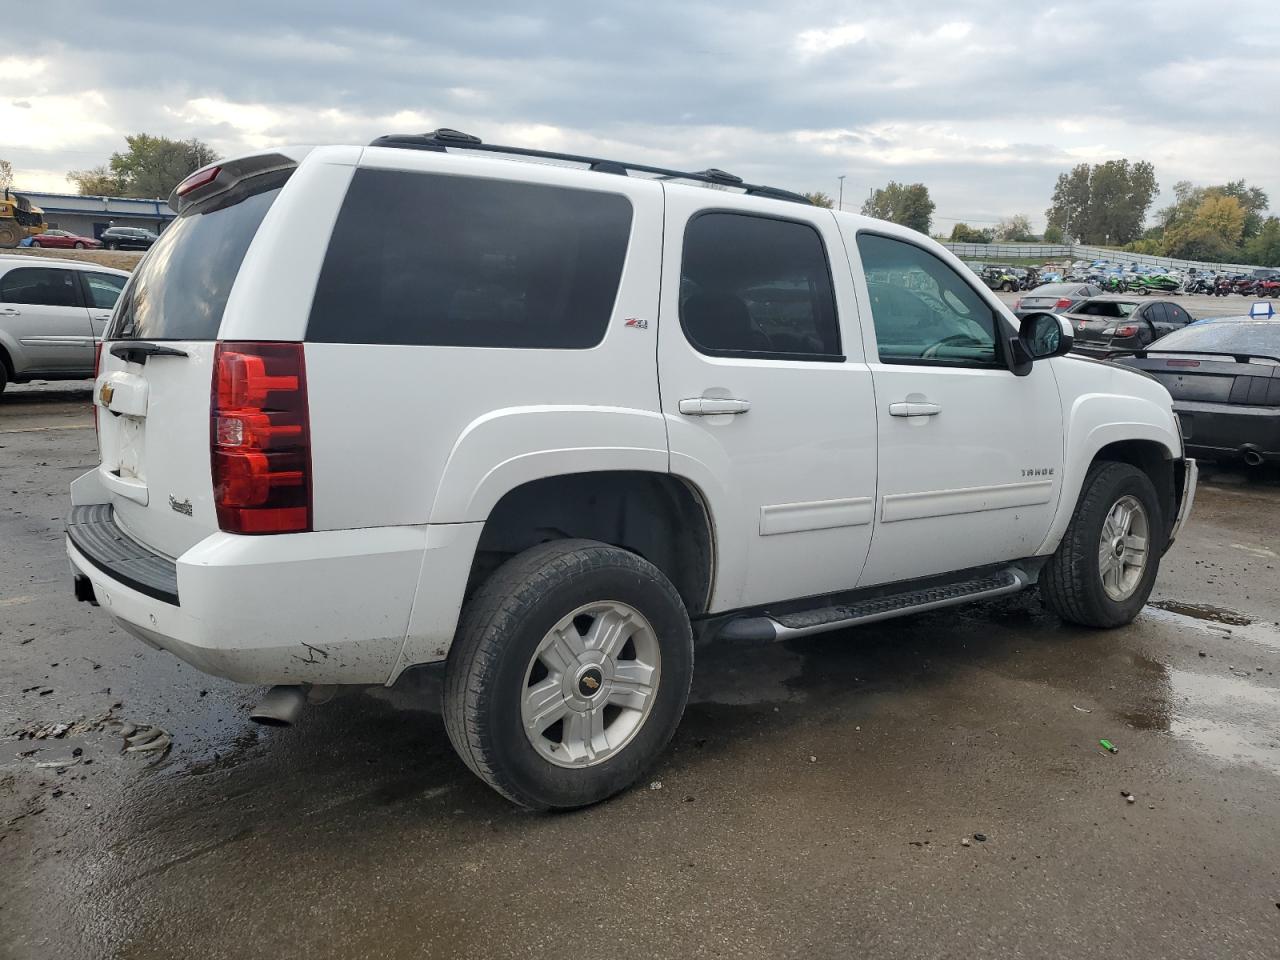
(591,683)
(106,393)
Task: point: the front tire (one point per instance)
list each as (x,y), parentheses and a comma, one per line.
(1103,570)
(569,674)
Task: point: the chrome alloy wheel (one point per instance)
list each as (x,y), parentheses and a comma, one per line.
(590,684)
(1122,548)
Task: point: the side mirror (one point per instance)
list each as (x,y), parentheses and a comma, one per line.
(1041,336)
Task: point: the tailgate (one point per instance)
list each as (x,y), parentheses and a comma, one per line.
(152,396)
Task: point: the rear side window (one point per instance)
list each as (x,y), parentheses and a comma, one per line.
(180,289)
(40,286)
(103,289)
(438,260)
(756,285)
(1156,313)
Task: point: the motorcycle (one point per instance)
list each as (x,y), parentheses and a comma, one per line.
(1222,287)
(1198,285)
(1245,286)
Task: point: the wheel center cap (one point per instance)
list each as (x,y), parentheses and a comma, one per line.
(589,682)
(1118,549)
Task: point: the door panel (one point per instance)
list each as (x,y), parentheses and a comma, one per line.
(970,456)
(783,448)
(43,310)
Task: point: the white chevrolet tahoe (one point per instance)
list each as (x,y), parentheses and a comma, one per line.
(545,418)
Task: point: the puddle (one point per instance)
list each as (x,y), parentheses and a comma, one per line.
(1202,612)
(1220,624)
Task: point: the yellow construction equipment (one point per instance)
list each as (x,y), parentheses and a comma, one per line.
(19,218)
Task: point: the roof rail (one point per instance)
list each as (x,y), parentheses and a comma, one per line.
(445,139)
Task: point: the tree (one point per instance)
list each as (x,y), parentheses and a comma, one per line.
(908,204)
(819,199)
(151,167)
(963,233)
(1015,229)
(6,174)
(1103,203)
(98,182)
(1212,232)
(1254,200)
(1264,249)
(1053,234)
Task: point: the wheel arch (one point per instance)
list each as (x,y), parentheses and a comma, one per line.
(656,515)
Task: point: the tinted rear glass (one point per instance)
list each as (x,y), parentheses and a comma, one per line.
(431,259)
(1259,336)
(180,289)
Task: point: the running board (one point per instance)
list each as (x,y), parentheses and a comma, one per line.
(837,617)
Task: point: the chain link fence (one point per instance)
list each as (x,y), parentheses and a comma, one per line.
(1080,251)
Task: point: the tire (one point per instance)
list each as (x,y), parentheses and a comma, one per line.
(37,244)
(111,246)
(1071,583)
(4,375)
(78,245)
(496,653)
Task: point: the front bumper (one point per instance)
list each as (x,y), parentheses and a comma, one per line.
(1190,479)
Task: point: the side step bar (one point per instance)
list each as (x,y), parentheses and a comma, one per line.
(839,616)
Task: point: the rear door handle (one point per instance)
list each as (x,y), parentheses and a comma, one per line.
(914,409)
(713,406)
(10,312)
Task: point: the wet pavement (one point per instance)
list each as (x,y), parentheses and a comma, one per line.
(813,803)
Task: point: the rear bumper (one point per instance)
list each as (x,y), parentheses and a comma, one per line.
(342,606)
(1219,431)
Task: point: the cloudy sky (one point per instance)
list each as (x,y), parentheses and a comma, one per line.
(985,102)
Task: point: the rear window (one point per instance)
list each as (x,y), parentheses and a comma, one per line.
(1257,337)
(180,289)
(432,259)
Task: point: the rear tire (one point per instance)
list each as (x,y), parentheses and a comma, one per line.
(499,660)
(1074,583)
(79,245)
(111,246)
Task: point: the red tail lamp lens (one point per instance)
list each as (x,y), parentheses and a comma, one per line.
(1128,330)
(260,438)
(1063,304)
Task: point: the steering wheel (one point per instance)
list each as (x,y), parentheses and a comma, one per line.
(956,339)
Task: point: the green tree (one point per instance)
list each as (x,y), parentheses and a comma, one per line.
(1212,232)
(1264,249)
(1015,229)
(1053,234)
(963,233)
(97,182)
(1103,203)
(1254,200)
(819,199)
(151,167)
(906,203)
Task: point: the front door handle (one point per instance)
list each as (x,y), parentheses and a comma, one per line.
(713,406)
(10,312)
(914,409)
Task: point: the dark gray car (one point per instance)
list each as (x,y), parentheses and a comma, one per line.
(128,238)
(1055,298)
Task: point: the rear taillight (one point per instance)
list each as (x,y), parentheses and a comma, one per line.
(1063,304)
(1128,330)
(260,438)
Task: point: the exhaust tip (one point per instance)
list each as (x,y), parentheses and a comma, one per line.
(281,707)
(1252,456)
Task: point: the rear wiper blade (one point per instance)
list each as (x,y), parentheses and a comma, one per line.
(137,351)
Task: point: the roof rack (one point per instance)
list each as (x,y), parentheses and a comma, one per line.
(445,139)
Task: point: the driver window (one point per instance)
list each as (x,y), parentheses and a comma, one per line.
(924,313)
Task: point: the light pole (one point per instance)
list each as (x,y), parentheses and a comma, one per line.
(840,202)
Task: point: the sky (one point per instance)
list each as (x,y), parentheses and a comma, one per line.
(984,102)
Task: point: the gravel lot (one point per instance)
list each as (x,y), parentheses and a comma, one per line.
(815,802)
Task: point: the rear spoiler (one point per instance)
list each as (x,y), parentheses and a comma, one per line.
(220,177)
(1237,357)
